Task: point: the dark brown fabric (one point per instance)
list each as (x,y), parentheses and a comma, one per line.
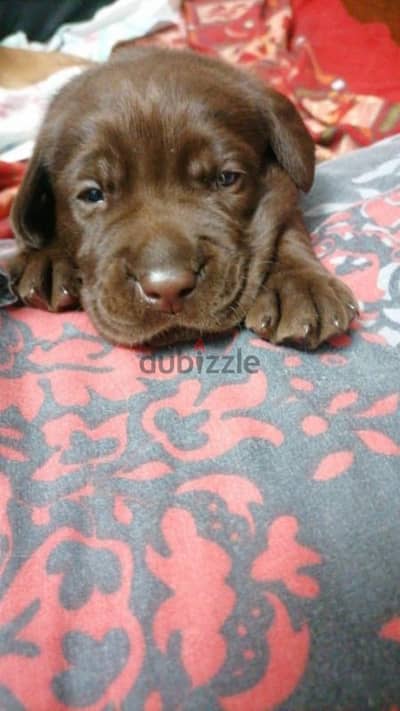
(386,11)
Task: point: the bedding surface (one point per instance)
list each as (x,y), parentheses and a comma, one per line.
(347,99)
(213,526)
(337,61)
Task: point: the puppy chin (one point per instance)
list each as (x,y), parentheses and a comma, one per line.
(158,329)
(120,332)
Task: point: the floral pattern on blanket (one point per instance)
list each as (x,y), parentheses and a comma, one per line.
(265,35)
(213,526)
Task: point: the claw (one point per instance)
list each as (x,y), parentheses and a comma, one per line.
(36,299)
(65,300)
(354,309)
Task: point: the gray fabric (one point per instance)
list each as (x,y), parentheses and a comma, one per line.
(365,173)
(210,537)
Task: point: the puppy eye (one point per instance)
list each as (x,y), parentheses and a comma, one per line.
(227,178)
(91,195)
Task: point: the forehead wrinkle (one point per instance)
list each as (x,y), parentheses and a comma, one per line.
(181,134)
(218,148)
(160,116)
(147,138)
(99,164)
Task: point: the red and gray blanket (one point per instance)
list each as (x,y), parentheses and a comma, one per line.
(214,526)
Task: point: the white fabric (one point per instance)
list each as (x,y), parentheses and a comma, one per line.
(22,110)
(94,39)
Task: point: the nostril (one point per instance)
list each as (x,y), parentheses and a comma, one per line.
(201,270)
(152,294)
(185,292)
(168,289)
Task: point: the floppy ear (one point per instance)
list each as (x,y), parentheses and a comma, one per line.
(33,211)
(289,139)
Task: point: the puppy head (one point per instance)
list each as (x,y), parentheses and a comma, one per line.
(164,175)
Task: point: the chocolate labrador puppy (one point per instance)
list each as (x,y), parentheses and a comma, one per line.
(163,196)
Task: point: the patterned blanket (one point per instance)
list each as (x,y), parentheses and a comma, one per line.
(216,526)
(347,97)
(212,527)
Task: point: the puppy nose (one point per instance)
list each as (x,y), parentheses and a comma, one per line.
(166,289)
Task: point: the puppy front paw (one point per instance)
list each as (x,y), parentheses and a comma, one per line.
(302,308)
(45,279)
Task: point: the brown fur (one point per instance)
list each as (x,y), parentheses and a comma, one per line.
(154,129)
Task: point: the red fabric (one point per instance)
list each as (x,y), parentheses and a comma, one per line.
(363,54)
(10,177)
(206,539)
(343,75)
(305,48)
